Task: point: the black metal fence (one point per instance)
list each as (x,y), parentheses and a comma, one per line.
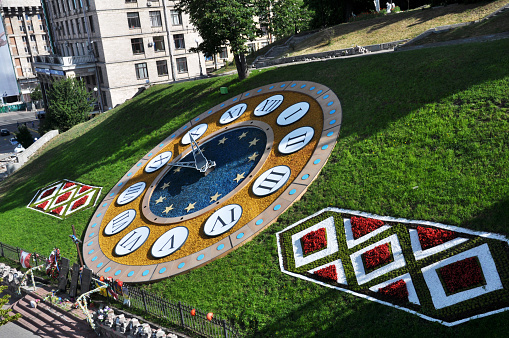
(178,314)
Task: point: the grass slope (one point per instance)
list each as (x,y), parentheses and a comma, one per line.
(393,27)
(436,120)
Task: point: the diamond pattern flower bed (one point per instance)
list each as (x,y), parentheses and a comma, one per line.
(429,237)
(462,275)
(328,272)
(62,198)
(314,241)
(362,226)
(397,290)
(377,257)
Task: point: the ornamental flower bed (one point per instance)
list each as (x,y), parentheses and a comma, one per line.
(328,272)
(429,237)
(314,241)
(462,275)
(397,290)
(377,257)
(60,197)
(63,197)
(362,226)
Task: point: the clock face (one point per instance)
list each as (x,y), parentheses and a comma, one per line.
(215,183)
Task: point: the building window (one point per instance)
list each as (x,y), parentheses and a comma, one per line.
(179,41)
(141,71)
(182,65)
(162,67)
(133,20)
(39,16)
(91,20)
(20,18)
(224,53)
(24,38)
(176,18)
(131,1)
(159,43)
(72,27)
(30,28)
(32,38)
(137,46)
(22,28)
(29,60)
(78,26)
(46,48)
(44,38)
(155,19)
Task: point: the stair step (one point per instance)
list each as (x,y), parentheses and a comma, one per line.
(41,320)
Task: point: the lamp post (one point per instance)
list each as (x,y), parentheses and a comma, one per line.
(97,97)
(198,52)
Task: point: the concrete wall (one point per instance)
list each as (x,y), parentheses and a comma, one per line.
(23,157)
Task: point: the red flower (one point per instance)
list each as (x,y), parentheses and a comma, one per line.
(84,188)
(362,226)
(69,184)
(462,274)
(42,205)
(328,272)
(313,241)
(79,202)
(397,289)
(57,211)
(63,197)
(430,237)
(377,256)
(48,192)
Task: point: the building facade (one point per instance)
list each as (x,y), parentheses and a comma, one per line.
(118,46)
(27,38)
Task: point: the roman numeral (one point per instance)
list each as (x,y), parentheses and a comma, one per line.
(271,180)
(172,240)
(222,220)
(131,193)
(295,140)
(233,113)
(169,242)
(130,241)
(268,105)
(158,161)
(120,222)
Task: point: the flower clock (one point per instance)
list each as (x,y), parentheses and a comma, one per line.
(215,183)
(63,198)
(438,272)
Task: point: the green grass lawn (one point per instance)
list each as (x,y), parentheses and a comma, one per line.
(436,119)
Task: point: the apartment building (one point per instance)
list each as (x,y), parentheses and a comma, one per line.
(118,46)
(26,36)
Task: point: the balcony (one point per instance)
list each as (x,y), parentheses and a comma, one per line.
(65,61)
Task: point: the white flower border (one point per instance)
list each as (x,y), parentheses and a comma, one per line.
(38,195)
(351,242)
(412,294)
(397,254)
(399,220)
(332,243)
(71,196)
(87,202)
(340,270)
(420,254)
(489,269)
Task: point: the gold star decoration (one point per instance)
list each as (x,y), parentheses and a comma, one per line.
(253,157)
(244,134)
(160,199)
(177,170)
(253,142)
(168,209)
(215,197)
(221,141)
(239,177)
(165,185)
(190,206)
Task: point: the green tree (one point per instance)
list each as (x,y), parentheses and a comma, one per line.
(283,17)
(24,136)
(224,23)
(36,94)
(69,103)
(4,314)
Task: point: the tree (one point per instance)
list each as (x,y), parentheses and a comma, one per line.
(36,94)
(4,314)
(283,17)
(224,23)
(69,103)
(24,136)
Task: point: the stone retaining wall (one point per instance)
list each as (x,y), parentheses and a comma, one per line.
(23,157)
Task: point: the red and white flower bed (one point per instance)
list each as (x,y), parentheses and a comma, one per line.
(64,197)
(333,270)
(438,244)
(360,229)
(409,284)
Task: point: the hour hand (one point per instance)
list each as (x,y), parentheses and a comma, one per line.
(200,161)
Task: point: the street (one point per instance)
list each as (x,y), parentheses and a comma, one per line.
(10,122)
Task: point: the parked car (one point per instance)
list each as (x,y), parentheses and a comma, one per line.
(19,149)
(14,141)
(4,132)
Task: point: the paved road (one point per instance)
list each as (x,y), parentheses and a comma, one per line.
(10,122)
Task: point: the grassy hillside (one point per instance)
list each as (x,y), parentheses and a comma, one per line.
(393,27)
(436,119)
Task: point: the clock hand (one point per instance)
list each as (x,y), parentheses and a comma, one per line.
(200,161)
